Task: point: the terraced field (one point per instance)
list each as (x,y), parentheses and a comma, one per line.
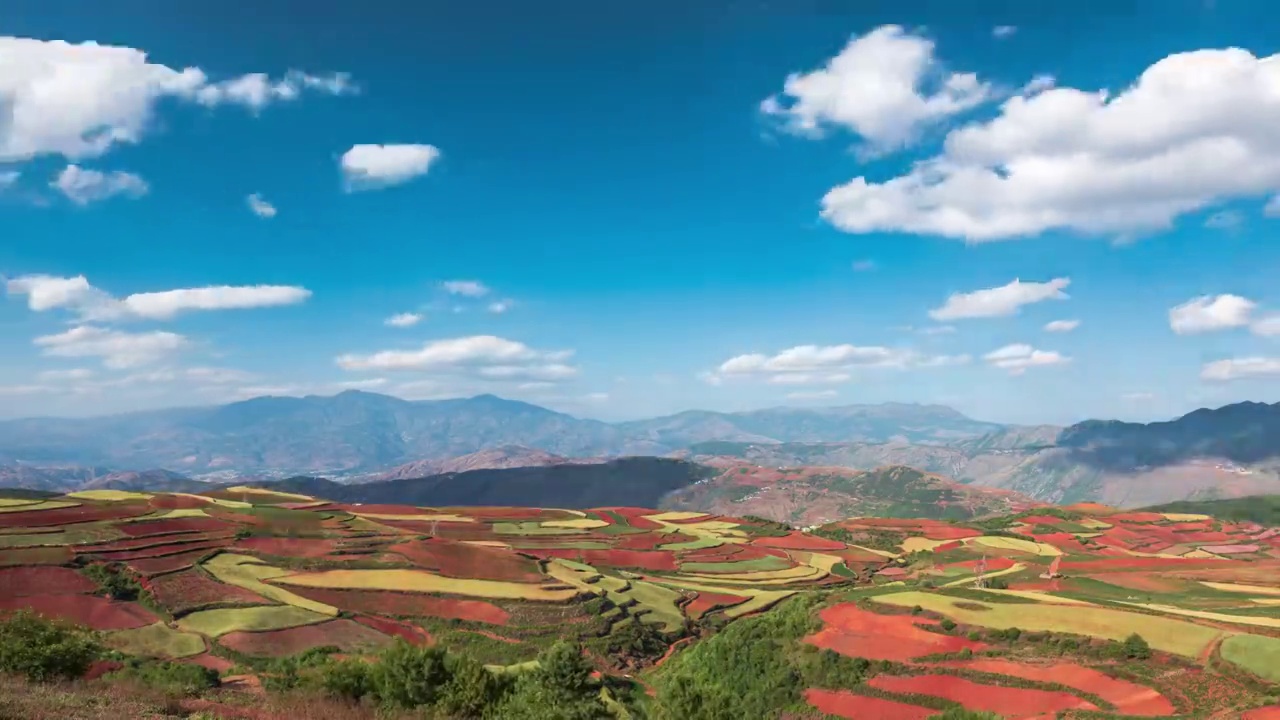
(1032,615)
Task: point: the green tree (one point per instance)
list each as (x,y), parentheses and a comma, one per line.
(471,689)
(41,649)
(1136,647)
(963,714)
(560,688)
(348,679)
(409,676)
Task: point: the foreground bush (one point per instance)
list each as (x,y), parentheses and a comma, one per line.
(42,650)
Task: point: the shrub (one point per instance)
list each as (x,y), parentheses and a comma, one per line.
(560,689)
(947,624)
(963,714)
(176,678)
(1136,647)
(408,676)
(471,689)
(41,649)
(348,679)
(115,581)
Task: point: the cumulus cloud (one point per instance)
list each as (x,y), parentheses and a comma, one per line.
(465,288)
(1017,358)
(403,320)
(500,306)
(65,375)
(1195,129)
(938,361)
(79,100)
(1211,312)
(370,167)
(1001,32)
(884,86)
(1061,326)
(47,292)
(116,348)
(1000,301)
(1240,368)
(481,356)
(260,207)
(817,365)
(83,186)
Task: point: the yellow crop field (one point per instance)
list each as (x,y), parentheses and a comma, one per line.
(42,505)
(821,561)
(1255,653)
(873,551)
(217,501)
(1185,517)
(576,523)
(178,513)
(109,495)
(423,581)
(1026,546)
(157,641)
(757,599)
(1241,588)
(1172,636)
(438,517)
(785,575)
(915,543)
(1094,523)
(244,489)
(215,623)
(1017,567)
(251,574)
(1037,595)
(1265,601)
(1256,620)
(15,502)
(675,515)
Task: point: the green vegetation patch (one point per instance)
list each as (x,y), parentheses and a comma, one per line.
(1258,654)
(533,527)
(158,640)
(269,617)
(763,564)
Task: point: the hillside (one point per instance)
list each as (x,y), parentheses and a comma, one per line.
(254,604)
(815,495)
(506,456)
(365,433)
(1262,509)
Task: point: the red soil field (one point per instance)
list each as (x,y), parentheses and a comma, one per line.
(993,564)
(182,592)
(213,662)
(461,560)
(635,517)
(1271,712)
(150,541)
(345,634)
(647,541)
(143,528)
(850,630)
(410,633)
(949,532)
(1007,701)
(169,563)
(43,580)
(799,541)
(381,509)
(99,668)
(1230,549)
(407,604)
(705,602)
(177,502)
(854,555)
(1139,563)
(89,610)
(287,547)
(79,514)
(1040,520)
(52,555)
(948,546)
(160,551)
(893,572)
(1136,517)
(845,704)
(1129,699)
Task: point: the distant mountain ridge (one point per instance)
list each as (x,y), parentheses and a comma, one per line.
(360,432)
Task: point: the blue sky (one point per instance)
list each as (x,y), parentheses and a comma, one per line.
(632,211)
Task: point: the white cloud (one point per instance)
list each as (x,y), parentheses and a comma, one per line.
(465,288)
(938,330)
(790,378)
(999,301)
(864,265)
(86,186)
(117,349)
(47,292)
(1240,368)
(885,86)
(370,167)
(944,361)
(500,306)
(8,177)
(1018,357)
(1001,32)
(402,320)
(1195,129)
(819,365)
(65,375)
(80,100)
(1210,312)
(1268,326)
(260,207)
(1272,208)
(1061,326)
(482,356)
(812,395)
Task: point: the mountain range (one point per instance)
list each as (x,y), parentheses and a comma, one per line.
(354,436)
